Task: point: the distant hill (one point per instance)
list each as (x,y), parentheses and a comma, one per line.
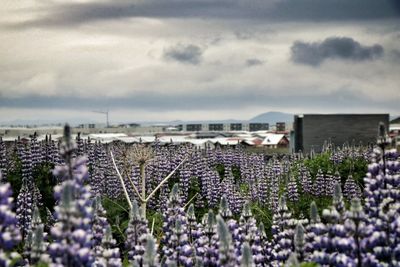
(273,117)
(395,119)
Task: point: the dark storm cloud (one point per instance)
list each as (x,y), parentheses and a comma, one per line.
(190,54)
(253,62)
(218,100)
(333,48)
(66,15)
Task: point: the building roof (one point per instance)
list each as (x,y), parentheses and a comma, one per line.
(262,134)
(199,142)
(172,138)
(171,128)
(9,138)
(226,141)
(244,135)
(272,139)
(207,135)
(106,137)
(147,139)
(128,139)
(253,141)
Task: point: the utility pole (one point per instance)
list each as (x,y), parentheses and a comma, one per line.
(105,113)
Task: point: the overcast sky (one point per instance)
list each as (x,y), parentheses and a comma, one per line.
(197,59)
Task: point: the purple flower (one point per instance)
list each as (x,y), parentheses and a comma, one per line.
(72,232)
(9,235)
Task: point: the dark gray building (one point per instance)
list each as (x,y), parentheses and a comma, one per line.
(236,127)
(256,126)
(215,127)
(312,130)
(193,127)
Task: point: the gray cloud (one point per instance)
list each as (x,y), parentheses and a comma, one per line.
(395,54)
(190,54)
(67,15)
(333,48)
(97,57)
(254,62)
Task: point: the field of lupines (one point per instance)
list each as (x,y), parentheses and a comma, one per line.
(81,203)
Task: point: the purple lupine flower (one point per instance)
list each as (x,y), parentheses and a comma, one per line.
(27,167)
(381,206)
(351,189)
(193,227)
(248,224)
(107,253)
(46,149)
(90,152)
(207,244)
(226,255)
(224,209)
(72,233)
(54,154)
(35,247)
(3,158)
(100,223)
(12,158)
(395,227)
(355,226)
(97,179)
(314,232)
(329,184)
(150,257)
(112,182)
(35,151)
(274,193)
(336,157)
(231,193)
(184,175)
(262,196)
(306,182)
(80,146)
(24,209)
(136,235)
(292,192)
(319,184)
(259,246)
(283,232)
(176,246)
(233,226)
(9,235)
(276,168)
(336,247)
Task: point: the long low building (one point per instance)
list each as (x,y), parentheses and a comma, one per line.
(225,127)
(254,139)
